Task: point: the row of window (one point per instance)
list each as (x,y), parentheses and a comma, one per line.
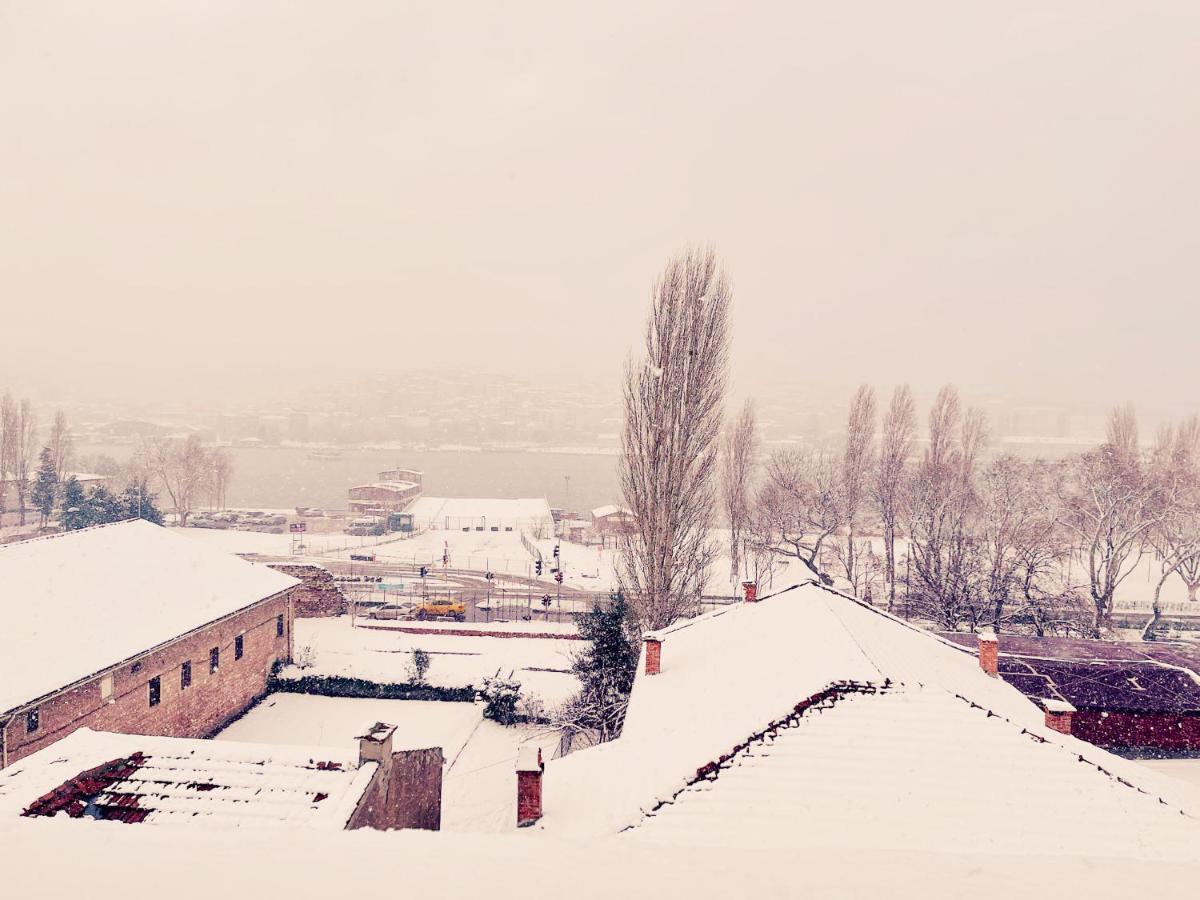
(33,720)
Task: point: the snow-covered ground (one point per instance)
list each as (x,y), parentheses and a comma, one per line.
(302,720)
(335,647)
(1187,770)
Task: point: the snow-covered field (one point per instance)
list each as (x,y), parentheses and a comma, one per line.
(335,647)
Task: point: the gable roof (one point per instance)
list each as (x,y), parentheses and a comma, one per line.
(162,780)
(734,679)
(79,602)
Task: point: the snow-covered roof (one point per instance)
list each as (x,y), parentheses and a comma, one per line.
(809,687)
(396,487)
(601,512)
(165,780)
(79,602)
(494,510)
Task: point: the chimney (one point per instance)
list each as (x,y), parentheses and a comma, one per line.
(1058,715)
(529,785)
(989,654)
(653,654)
(751,591)
(376,745)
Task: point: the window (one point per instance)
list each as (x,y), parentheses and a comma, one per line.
(239,646)
(33,721)
(135,668)
(214,660)
(106,688)
(155,690)
(185,675)
(279,625)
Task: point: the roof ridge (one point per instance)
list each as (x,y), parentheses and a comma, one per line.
(73,531)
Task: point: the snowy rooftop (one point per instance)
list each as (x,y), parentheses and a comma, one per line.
(813,718)
(396,487)
(78,602)
(601,511)
(456,509)
(163,780)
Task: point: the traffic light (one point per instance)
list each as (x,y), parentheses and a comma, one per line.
(424,571)
(558,576)
(537,567)
(489,576)
(556,551)
(546,601)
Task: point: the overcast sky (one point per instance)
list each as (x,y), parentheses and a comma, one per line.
(1002,194)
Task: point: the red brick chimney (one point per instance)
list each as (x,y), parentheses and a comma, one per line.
(529,785)
(653,654)
(1058,715)
(989,654)
(750,589)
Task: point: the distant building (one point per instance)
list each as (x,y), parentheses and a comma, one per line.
(610,523)
(131,627)
(531,515)
(394,490)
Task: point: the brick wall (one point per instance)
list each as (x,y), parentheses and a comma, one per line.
(1145,731)
(208,703)
(406,792)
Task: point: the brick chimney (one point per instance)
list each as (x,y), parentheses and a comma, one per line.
(1058,715)
(750,590)
(376,745)
(529,785)
(989,654)
(653,654)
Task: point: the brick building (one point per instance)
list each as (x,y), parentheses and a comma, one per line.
(318,595)
(133,628)
(394,490)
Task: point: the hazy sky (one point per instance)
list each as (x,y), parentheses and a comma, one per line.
(1002,194)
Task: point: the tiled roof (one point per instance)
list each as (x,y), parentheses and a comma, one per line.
(929,717)
(157,780)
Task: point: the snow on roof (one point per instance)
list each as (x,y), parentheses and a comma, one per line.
(79,602)
(396,487)
(601,511)
(495,510)
(729,675)
(164,780)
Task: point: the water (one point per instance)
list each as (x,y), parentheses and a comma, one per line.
(284,477)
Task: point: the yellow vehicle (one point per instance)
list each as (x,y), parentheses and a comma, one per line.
(444,606)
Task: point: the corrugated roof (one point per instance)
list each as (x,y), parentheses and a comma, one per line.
(76,603)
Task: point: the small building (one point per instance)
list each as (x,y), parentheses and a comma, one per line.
(387,495)
(133,628)
(412,476)
(610,523)
(531,515)
(137,779)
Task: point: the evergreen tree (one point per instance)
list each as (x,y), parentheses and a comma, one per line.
(139,503)
(45,487)
(75,510)
(606,670)
(104,507)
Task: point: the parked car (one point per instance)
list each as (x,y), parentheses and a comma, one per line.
(401,611)
(432,609)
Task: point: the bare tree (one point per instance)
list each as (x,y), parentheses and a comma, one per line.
(799,507)
(23,449)
(8,444)
(738,451)
(857,457)
(1112,504)
(220,472)
(899,425)
(181,467)
(1176,468)
(673,400)
(946,581)
(62,446)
